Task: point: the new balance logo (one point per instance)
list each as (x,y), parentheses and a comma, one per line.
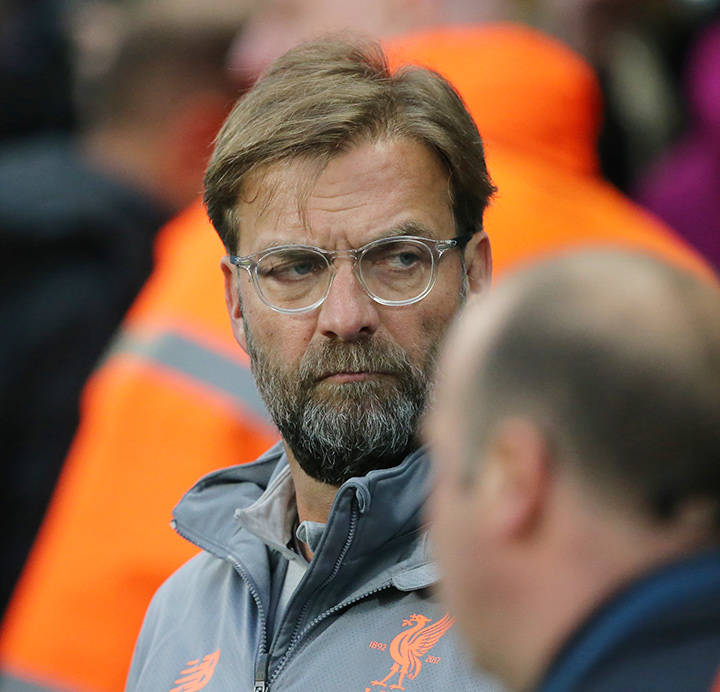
(197,674)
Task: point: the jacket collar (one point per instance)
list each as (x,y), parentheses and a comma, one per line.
(387,504)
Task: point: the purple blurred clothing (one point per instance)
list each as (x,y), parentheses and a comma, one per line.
(683,187)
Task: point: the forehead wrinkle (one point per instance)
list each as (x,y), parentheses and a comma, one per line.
(305,188)
(291,176)
(298,177)
(411,228)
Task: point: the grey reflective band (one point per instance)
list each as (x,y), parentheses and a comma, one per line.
(193,360)
(9,683)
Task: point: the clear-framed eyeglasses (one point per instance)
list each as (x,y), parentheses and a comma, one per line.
(399,270)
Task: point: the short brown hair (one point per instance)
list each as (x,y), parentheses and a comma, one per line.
(323,97)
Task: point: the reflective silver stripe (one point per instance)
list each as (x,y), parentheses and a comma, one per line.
(9,683)
(193,360)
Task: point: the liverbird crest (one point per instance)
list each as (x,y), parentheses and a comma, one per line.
(408,648)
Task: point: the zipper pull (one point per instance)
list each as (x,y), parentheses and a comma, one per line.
(261,671)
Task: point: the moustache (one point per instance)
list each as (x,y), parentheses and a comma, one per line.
(364,355)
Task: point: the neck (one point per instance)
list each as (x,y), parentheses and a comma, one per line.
(601,550)
(314,498)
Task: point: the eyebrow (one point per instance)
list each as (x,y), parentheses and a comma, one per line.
(406,228)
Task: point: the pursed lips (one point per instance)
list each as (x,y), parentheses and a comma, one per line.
(349,376)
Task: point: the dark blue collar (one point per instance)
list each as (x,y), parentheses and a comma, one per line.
(669,586)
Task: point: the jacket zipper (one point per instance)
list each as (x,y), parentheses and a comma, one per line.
(320,618)
(261,682)
(263,658)
(297,635)
(261,664)
(261,671)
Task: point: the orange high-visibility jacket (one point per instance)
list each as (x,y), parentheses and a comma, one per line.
(175,400)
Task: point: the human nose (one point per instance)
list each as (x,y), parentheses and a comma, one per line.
(348,313)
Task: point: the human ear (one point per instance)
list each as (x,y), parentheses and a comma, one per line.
(232,301)
(478,262)
(516,478)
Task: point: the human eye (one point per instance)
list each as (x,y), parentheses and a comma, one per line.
(405,258)
(288,266)
(398,256)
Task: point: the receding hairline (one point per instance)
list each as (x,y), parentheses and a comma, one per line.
(372,99)
(650,317)
(262,184)
(599,291)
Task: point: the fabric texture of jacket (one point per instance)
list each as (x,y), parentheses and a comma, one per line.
(363,613)
(659,634)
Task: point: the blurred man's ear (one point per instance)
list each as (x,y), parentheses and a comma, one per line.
(232,301)
(515,474)
(478,263)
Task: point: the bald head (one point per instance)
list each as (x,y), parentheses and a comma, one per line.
(277,25)
(616,358)
(576,440)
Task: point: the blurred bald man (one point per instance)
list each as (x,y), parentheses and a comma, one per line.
(577,440)
(278,25)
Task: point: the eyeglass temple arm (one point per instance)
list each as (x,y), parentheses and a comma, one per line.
(458,242)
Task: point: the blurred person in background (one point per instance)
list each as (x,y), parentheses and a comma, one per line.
(78,218)
(637,47)
(175,399)
(576,504)
(35,68)
(539,109)
(683,186)
(278,25)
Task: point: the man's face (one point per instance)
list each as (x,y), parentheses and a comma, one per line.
(452,507)
(348,381)
(467,503)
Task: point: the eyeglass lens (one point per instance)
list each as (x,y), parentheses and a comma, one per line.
(392,270)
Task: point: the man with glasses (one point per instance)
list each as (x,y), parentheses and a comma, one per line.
(350,199)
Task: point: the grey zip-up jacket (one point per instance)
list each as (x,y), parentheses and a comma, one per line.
(363,617)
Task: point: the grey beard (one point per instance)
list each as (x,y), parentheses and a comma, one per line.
(339,431)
